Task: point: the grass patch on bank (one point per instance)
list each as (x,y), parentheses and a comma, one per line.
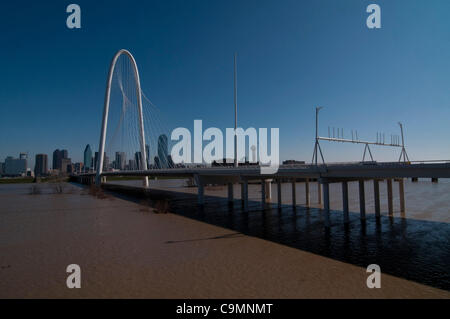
(19,180)
(29,180)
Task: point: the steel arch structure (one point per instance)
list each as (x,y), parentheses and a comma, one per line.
(106,111)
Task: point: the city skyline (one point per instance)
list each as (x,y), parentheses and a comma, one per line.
(291,58)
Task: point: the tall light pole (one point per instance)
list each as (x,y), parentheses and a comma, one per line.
(235,113)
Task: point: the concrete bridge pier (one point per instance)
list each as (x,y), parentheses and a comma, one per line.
(263,193)
(401,190)
(294,194)
(268,190)
(279,193)
(345,201)
(319,193)
(230,193)
(376,189)
(307,196)
(103,179)
(245,195)
(390,198)
(362,200)
(326,199)
(200,190)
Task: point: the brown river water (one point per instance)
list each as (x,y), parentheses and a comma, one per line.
(413,246)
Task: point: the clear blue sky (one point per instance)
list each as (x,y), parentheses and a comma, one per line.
(293,55)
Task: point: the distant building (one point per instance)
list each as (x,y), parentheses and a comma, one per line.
(105,161)
(15,166)
(120,161)
(95,160)
(56,160)
(87,158)
(137,158)
(147,153)
(2,168)
(157,162)
(170,162)
(66,165)
(132,165)
(106,166)
(78,167)
(163,150)
(41,165)
(58,156)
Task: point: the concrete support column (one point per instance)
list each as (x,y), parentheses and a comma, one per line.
(201,192)
(307,197)
(279,193)
(326,198)
(319,193)
(230,193)
(103,179)
(362,200)
(345,201)
(390,200)
(245,195)
(376,190)
(294,194)
(268,190)
(263,193)
(401,190)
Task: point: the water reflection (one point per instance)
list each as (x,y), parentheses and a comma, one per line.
(413,249)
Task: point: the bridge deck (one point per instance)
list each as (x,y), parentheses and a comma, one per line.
(330,171)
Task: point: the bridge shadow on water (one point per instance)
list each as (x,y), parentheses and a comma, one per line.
(415,250)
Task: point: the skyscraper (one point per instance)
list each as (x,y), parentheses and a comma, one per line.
(162,150)
(121,160)
(87,158)
(66,165)
(105,161)
(157,162)
(147,153)
(137,158)
(41,165)
(58,156)
(56,159)
(170,162)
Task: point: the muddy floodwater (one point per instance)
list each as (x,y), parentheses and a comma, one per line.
(126,250)
(414,245)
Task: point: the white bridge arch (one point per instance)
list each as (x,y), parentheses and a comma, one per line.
(106,111)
